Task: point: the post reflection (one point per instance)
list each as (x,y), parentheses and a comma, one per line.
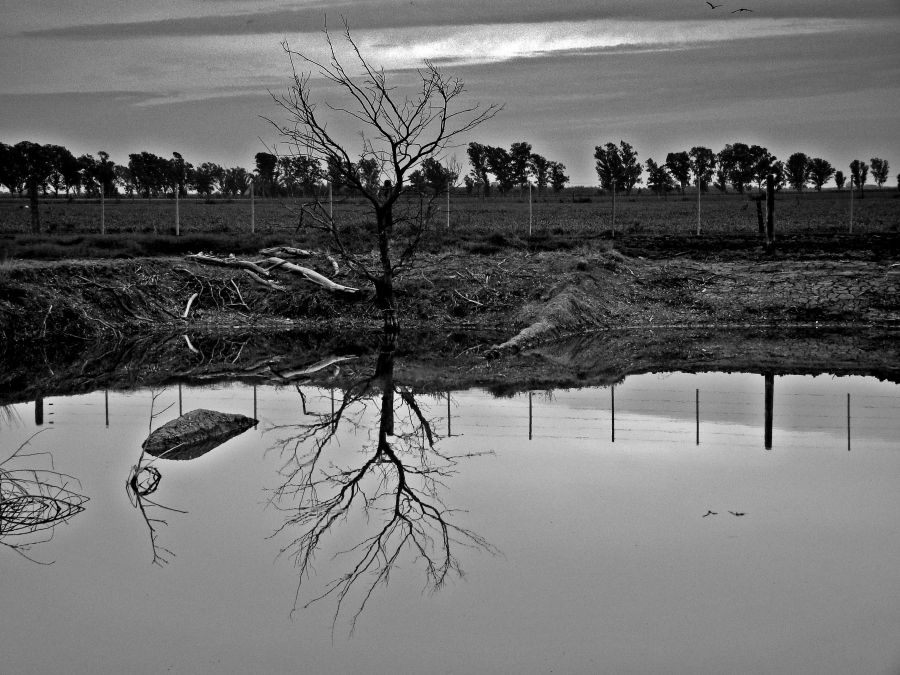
(390,493)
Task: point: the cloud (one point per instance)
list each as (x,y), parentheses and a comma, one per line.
(246,18)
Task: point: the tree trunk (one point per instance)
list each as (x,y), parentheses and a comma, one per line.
(33,205)
(384,287)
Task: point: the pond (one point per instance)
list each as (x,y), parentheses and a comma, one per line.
(672,523)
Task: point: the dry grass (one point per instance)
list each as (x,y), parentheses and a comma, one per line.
(565,220)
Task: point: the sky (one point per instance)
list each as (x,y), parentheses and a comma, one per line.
(815,76)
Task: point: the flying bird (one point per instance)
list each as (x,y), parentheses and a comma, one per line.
(742,9)
(712,6)
(739,513)
(710,513)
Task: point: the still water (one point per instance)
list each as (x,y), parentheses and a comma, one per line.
(679,523)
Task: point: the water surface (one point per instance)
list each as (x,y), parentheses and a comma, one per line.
(589,530)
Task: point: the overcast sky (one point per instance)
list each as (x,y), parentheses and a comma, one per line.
(818,76)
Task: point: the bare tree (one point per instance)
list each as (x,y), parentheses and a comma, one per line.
(398,132)
(392,486)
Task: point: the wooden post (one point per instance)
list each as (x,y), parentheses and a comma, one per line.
(770,212)
(102,211)
(760,221)
(106,404)
(698,415)
(851,205)
(848,422)
(252,210)
(177,213)
(769,400)
(448,415)
(698,205)
(38,411)
(179,399)
(612,399)
(529,209)
(448,204)
(614,209)
(529,415)
(254,405)
(330,207)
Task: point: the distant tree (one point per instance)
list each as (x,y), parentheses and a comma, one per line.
(820,172)
(659,180)
(779,172)
(797,170)
(859,171)
(36,164)
(679,166)
(880,169)
(123,178)
(540,169)
(520,162)
(11,170)
(761,162)
(205,177)
(478,158)
(266,170)
(558,177)
(470,184)
(439,177)
(500,164)
(839,179)
(703,165)
(337,171)
(150,173)
(617,164)
(236,181)
(738,165)
(58,154)
(70,171)
(369,171)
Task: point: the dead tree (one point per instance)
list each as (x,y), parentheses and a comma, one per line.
(399,132)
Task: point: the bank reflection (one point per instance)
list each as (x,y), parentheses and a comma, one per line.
(389,492)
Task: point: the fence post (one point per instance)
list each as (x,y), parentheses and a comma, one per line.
(769,402)
(851,205)
(177,213)
(698,205)
(529,209)
(252,210)
(102,211)
(770,212)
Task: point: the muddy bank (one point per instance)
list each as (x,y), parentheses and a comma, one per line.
(527,297)
(440,361)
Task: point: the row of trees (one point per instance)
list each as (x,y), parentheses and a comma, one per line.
(738,165)
(511,168)
(34,169)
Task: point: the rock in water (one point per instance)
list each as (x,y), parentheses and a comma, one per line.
(195,433)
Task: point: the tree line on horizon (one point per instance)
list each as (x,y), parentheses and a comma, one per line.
(32,169)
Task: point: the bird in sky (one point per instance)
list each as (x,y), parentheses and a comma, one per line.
(712,6)
(742,9)
(739,513)
(710,513)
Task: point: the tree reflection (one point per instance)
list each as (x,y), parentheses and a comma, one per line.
(143,480)
(391,487)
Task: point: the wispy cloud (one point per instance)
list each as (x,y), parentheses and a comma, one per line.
(229,17)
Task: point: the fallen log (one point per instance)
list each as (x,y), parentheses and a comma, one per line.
(195,433)
(227,262)
(312,275)
(287,252)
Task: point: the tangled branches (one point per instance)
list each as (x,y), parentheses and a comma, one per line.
(34,501)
